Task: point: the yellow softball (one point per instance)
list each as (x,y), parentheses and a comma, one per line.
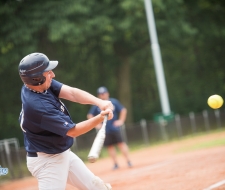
(215,101)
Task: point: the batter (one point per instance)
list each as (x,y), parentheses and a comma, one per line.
(48,128)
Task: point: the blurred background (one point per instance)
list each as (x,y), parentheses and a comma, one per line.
(106,42)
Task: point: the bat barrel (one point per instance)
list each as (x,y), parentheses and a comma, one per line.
(98,143)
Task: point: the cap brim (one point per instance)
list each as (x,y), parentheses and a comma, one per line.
(52,65)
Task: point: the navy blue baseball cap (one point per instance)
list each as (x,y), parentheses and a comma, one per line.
(102,90)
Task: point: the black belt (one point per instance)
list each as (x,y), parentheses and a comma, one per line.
(32,154)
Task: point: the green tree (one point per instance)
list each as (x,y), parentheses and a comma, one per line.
(106,42)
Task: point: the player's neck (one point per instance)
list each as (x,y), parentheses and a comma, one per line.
(38,89)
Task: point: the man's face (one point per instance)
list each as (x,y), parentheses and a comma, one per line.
(49,75)
(104,96)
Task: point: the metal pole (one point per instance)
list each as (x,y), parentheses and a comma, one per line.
(217,114)
(193,123)
(178,125)
(143,124)
(75,145)
(206,119)
(7,150)
(2,155)
(162,124)
(157,59)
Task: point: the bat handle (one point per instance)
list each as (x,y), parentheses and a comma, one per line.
(105,118)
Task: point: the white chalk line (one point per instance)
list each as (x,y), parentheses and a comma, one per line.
(215,185)
(158,165)
(142,171)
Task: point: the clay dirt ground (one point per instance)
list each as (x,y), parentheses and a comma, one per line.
(171,166)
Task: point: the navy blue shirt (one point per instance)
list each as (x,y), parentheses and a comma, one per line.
(117,107)
(45,120)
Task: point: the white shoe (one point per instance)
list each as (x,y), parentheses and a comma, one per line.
(109,187)
(99,184)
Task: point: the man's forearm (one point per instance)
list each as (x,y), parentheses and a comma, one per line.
(85,126)
(77,95)
(83,97)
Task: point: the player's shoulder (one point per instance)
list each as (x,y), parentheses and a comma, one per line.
(33,105)
(29,96)
(55,83)
(56,87)
(33,101)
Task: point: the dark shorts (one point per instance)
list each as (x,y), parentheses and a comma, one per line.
(113,138)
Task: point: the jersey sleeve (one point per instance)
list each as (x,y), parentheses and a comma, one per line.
(56,123)
(56,87)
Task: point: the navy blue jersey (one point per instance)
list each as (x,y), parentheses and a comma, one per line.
(45,120)
(117,107)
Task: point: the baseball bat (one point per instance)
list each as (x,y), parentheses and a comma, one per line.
(98,142)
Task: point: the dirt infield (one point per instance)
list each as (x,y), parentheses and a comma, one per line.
(163,167)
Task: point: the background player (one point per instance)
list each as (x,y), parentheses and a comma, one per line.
(49,130)
(113,134)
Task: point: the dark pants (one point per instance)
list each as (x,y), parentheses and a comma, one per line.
(113,138)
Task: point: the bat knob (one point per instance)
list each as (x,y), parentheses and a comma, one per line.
(92,159)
